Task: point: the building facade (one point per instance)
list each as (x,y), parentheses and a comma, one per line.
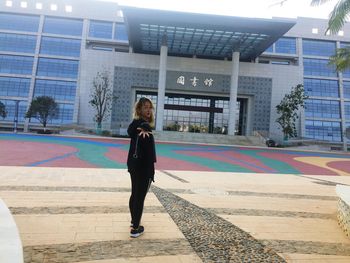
(209,74)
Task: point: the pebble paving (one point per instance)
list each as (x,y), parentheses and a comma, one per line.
(213,238)
(87,251)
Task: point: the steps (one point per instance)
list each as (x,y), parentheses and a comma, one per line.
(206,138)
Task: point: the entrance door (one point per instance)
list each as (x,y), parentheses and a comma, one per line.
(196,113)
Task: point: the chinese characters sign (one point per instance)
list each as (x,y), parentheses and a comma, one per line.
(194,81)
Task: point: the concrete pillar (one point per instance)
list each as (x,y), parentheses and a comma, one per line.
(233,93)
(161,84)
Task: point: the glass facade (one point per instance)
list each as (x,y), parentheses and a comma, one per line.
(14,87)
(286,46)
(63,26)
(120,32)
(10,106)
(17,43)
(50,67)
(318,67)
(322,109)
(321,87)
(101,29)
(59,90)
(347,110)
(17,22)
(323,130)
(60,46)
(318,48)
(16,64)
(346,89)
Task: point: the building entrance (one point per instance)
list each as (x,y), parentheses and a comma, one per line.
(199,114)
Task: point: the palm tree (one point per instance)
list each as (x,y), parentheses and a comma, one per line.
(341,59)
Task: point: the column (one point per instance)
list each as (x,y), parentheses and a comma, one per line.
(233,93)
(161,84)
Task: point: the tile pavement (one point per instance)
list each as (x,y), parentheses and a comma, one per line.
(81,215)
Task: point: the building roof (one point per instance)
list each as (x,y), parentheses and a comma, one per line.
(202,35)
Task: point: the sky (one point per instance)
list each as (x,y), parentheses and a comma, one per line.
(243,8)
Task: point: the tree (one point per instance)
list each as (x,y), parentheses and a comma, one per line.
(3,112)
(287,109)
(44,109)
(101,97)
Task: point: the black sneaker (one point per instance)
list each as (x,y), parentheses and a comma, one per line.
(137,232)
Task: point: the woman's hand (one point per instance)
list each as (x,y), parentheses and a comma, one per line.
(144,133)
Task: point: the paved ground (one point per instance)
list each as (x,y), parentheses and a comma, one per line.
(60,151)
(81,214)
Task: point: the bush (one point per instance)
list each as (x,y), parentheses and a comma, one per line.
(106,133)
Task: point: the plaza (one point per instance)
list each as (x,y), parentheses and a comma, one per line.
(195,211)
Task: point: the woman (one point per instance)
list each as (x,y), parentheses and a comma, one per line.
(141,159)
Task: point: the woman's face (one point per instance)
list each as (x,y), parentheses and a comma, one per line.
(146,110)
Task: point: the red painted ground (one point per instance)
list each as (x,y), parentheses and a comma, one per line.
(22,152)
(340,165)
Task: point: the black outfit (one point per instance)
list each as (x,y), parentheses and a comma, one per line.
(141,159)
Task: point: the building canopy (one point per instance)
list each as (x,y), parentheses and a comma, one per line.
(201,35)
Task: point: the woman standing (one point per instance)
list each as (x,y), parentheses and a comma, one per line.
(141,159)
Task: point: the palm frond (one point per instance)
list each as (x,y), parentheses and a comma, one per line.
(341,59)
(338,16)
(318,2)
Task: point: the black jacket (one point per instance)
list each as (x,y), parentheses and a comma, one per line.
(145,153)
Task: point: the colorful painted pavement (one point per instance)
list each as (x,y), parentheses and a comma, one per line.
(60,151)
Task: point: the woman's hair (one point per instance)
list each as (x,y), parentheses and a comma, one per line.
(138,106)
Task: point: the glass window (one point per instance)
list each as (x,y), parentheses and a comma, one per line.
(16,87)
(17,43)
(100,29)
(65,115)
(322,109)
(120,32)
(270,49)
(63,26)
(49,67)
(323,130)
(19,22)
(347,110)
(59,90)
(321,87)
(319,67)
(286,46)
(10,106)
(60,46)
(346,89)
(318,48)
(16,64)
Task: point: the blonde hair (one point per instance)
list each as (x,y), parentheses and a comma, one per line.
(137,109)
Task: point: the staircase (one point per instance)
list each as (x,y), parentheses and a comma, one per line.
(205,138)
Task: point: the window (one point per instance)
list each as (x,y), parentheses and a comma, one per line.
(347,110)
(63,26)
(60,46)
(322,109)
(16,87)
(346,89)
(286,46)
(322,87)
(100,29)
(270,49)
(120,32)
(11,110)
(19,22)
(16,64)
(323,130)
(65,115)
(59,90)
(58,68)
(17,43)
(319,67)
(318,48)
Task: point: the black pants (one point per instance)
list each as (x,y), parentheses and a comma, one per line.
(140,184)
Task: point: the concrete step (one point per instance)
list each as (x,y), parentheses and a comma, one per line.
(206,138)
